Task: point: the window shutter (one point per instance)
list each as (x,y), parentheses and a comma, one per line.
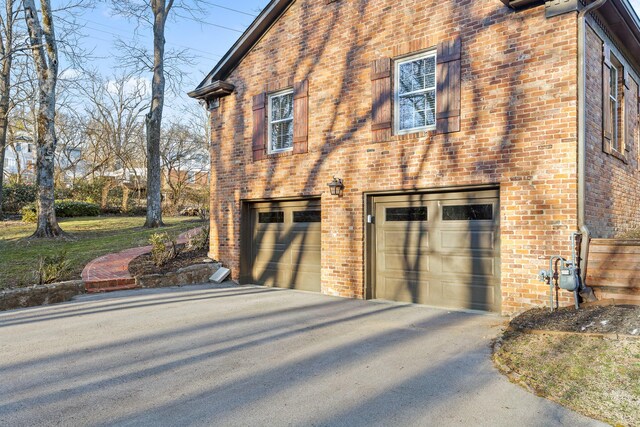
(628,128)
(607,119)
(301,117)
(259,127)
(381,99)
(448,86)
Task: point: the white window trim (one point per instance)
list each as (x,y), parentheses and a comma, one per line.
(396,92)
(270,122)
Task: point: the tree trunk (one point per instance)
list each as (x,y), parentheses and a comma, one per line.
(154,118)
(47,221)
(3,143)
(106,187)
(6,52)
(125,199)
(45,57)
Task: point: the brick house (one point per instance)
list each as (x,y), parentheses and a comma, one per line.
(471,137)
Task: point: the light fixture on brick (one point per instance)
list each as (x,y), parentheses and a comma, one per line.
(336,186)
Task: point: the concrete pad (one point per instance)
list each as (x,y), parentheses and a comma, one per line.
(229,355)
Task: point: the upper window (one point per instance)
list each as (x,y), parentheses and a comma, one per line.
(614,105)
(415,94)
(281,121)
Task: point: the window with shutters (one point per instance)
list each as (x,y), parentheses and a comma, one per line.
(415,94)
(280,113)
(616,84)
(613,105)
(422,96)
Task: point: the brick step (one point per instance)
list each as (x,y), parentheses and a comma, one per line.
(108,285)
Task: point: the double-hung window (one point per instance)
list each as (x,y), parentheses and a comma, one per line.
(415,94)
(613,106)
(280,113)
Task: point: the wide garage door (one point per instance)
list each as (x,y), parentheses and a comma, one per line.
(438,249)
(285,245)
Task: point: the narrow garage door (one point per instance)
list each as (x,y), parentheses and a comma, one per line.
(285,245)
(438,249)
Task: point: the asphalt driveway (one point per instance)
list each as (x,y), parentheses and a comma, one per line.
(255,356)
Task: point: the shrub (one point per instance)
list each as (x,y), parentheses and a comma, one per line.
(71,208)
(137,211)
(163,249)
(29,213)
(52,268)
(111,210)
(16,196)
(64,209)
(200,240)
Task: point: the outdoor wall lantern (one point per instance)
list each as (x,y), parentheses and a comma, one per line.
(210,104)
(336,186)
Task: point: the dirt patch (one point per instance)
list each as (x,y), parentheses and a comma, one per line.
(612,319)
(143,265)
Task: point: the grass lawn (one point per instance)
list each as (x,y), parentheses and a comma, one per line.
(594,376)
(92,237)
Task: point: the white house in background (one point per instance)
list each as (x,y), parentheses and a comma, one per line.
(20,157)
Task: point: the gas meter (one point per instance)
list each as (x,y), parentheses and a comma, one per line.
(563,274)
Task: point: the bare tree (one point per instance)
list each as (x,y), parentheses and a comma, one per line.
(115,128)
(71,141)
(44,51)
(154,13)
(7,51)
(184,159)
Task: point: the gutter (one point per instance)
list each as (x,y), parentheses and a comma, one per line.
(582,129)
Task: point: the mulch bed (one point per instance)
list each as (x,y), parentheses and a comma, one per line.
(608,319)
(143,265)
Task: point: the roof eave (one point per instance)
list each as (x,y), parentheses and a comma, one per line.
(217,89)
(249,38)
(624,23)
(520,4)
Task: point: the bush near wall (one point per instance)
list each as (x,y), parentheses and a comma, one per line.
(17,196)
(64,209)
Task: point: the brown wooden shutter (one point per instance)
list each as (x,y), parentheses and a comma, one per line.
(628,98)
(301,117)
(259,127)
(381,100)
(607,119)
(448,86)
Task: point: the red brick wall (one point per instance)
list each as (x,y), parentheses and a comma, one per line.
(612,199)
(518,131)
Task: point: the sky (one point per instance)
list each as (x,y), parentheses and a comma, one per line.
(206,40)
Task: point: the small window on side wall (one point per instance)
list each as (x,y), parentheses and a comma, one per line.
(280,113)
(616,124)
(415,93)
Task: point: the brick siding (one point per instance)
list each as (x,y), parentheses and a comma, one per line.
(518,129)
(612,198)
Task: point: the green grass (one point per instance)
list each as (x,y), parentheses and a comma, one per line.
(91,238)
(596,377)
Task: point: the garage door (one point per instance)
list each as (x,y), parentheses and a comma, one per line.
(438,249)
(285,245)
